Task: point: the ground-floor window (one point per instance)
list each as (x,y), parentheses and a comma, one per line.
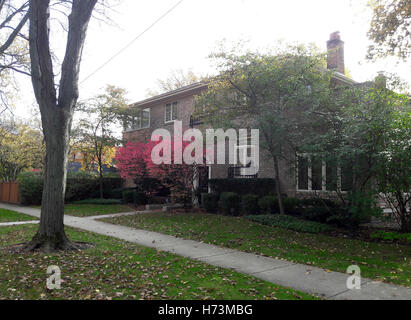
(315,174)
(248,169)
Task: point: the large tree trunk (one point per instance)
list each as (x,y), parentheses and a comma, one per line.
(278,185)
(56,112)
(101,181)
(402,209)
(51,235)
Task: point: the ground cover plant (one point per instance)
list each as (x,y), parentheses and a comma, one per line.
(290,223)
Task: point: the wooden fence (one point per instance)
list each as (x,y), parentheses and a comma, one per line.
(9,192)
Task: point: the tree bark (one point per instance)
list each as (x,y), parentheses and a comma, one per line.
(101,180)
(402,208)
(51,235)
(278,185)
(56,112)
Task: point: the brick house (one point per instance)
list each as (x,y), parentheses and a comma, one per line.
(161,111)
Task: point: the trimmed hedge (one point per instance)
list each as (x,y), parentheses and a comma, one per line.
(128,196)
(345,218)
(114,193)
(249,204)
(318,214)
(80,186)
(318,202)
(331,212)
(292,206)
(291,223)
(269,205)
(140,198)
(30,188)
(209,202)
(134,196)
(110,184)
(230,203)
(152,186)
(260,187)
(86,185)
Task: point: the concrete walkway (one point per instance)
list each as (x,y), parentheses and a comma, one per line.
(317,281)
(113,215)
(18,223)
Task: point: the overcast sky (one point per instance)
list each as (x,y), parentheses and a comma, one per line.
(185,37)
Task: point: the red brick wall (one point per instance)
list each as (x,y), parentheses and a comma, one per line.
(157,118)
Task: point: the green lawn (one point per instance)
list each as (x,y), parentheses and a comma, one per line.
(385,262)
(115,269)
(87,210)
(11,216)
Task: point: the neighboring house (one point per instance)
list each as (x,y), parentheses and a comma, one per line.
(161,111)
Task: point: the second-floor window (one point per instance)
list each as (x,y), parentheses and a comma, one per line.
(141,120)
(171,112)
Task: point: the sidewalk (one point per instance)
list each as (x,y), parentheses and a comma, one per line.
(17,223)
(329,285)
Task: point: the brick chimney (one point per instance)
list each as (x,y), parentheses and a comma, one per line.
(335,48)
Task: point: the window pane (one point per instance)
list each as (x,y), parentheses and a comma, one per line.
(331,176)
(168,112)
(145,123)
(302,173)
(138,121)
(132,124)
(317,174)
(174,114)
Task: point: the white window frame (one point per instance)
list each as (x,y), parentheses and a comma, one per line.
(323,177)
(135,127)
(173,110)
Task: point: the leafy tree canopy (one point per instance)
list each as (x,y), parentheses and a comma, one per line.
(95,138)
(21,148)
(176,80)
(279,93)
(390,28)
